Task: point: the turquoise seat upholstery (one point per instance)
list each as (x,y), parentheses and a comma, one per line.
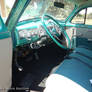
(78,68)
(84,51)
(82,59)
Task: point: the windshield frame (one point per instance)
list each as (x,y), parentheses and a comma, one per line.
(71,14)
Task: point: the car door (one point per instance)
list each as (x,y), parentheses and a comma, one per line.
(80,27)
(5,58)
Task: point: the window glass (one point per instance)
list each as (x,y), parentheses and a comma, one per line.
(79,18)
(89,16)
(37,8)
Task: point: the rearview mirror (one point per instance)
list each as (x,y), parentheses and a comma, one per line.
(59,4)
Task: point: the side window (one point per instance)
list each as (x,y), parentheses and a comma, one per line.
(89,16)
(80,17)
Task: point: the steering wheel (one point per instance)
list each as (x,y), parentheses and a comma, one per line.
(51,36)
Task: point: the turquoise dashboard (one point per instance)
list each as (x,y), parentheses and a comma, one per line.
(32,32)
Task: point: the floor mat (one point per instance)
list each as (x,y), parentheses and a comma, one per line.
(37,70)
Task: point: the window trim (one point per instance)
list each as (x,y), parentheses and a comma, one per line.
(76,11)
(84,19)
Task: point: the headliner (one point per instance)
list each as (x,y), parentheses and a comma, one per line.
(80,2)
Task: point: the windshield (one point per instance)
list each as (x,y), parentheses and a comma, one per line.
(37,8)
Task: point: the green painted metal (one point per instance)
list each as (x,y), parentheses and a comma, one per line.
(20,42)
(68,24)
(4,33)
(30,25)
(28,21)
(15,14)
(71,14)
(26,28)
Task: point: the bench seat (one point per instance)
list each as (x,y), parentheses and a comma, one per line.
(74,74)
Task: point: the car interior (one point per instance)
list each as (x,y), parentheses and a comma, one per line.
(51,55)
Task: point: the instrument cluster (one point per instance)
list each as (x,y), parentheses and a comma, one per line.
(38,37)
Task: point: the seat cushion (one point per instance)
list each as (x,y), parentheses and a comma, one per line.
(82,59)
(84,51)
(74,74)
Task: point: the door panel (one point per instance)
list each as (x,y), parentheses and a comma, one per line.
(71,32)
(80,34)
(5,58)
(84,37)
(81,24)
(5,63)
